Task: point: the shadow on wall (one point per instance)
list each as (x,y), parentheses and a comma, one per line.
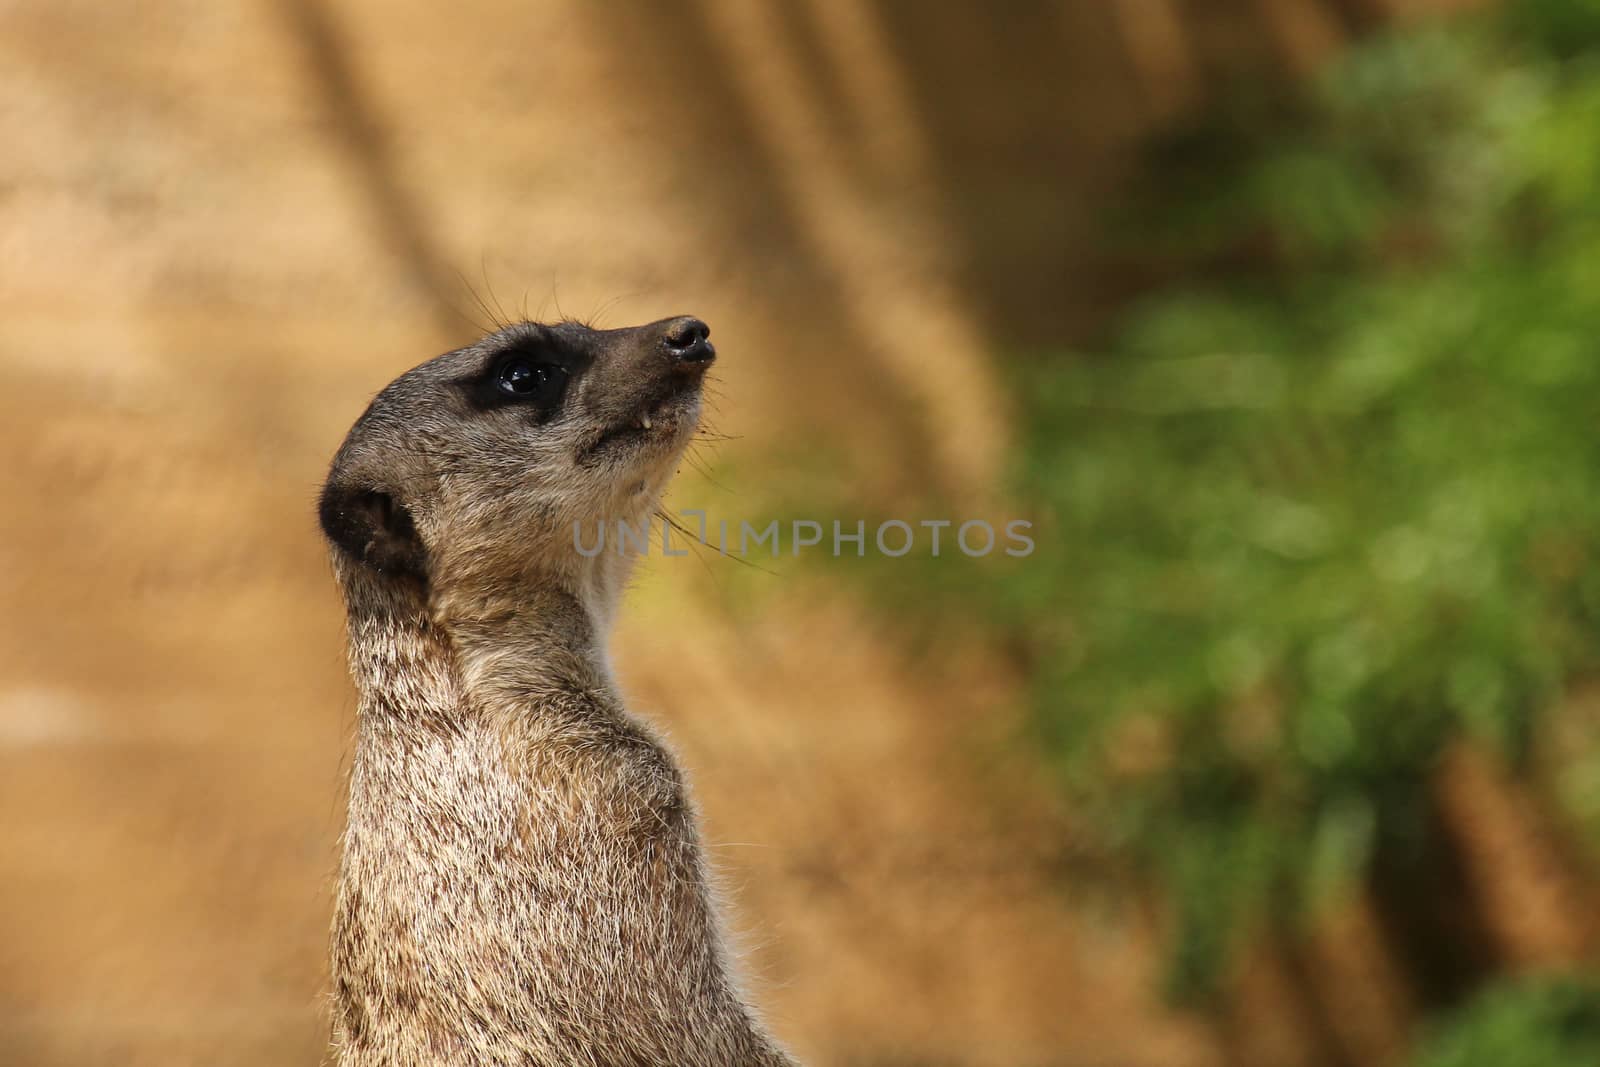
(925,187)
(978,143)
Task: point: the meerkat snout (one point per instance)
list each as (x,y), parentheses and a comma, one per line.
(688,341)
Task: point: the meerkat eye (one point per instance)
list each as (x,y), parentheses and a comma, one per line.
(523,378)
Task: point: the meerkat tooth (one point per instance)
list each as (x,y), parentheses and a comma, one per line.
(646,420)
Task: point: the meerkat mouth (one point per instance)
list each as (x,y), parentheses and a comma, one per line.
(661,419)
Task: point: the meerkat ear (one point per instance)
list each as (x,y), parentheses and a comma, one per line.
(373,527)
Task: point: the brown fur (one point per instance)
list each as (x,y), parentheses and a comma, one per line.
(522,881)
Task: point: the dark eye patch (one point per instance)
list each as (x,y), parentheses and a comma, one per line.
(527,375)
(521,378)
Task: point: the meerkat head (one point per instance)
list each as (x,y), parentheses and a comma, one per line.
(468,474)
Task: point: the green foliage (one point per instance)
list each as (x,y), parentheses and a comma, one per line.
(1328,501)
(1332,498)
(1543,1022)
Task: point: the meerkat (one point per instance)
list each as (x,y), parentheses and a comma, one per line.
(522,881)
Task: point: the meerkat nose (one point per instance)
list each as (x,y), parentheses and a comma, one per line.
(687,341)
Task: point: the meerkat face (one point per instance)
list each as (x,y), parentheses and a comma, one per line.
(477,465)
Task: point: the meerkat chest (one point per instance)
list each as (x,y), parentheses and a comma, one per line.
(488,894)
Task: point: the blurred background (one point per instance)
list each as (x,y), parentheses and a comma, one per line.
(1277,318)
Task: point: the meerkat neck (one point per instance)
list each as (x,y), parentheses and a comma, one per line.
(526,638)
(400,660)
(521,651)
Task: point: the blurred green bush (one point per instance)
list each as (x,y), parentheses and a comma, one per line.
(1325,502)
(1328,501)
(1545,1022)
